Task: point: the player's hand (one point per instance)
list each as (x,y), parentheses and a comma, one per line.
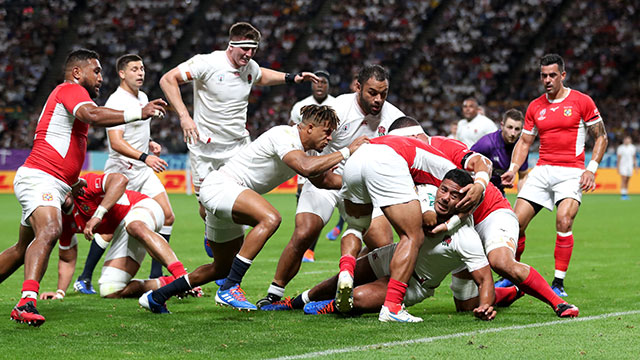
(357,142)
(90,226)
(154,109)
(473,196)
(484,312)
(189,130)
(508,178)
(587,181)
(49,295)
(158,165)
(306,76)
(155,148)
(77,188)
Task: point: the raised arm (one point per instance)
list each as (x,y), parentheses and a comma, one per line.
(272,77)
(119,144)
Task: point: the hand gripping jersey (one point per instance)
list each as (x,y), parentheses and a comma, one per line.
(562,126)
(60,141)
(86,204)
(458,153)
(493,147)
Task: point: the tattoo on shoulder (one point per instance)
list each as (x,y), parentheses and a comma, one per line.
(596,130)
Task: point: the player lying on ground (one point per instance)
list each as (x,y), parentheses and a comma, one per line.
(232,197)
(439,254)
(134,219)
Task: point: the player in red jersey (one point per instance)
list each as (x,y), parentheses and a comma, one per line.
(562,117)
(103,206)
(496,224)
(41,184)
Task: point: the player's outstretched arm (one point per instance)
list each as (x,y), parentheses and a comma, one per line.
(486,292)
(327,180)
(588,178)
(114,187)
(271,77)
(310,166)
(519,156)
(106,117)
(119,144)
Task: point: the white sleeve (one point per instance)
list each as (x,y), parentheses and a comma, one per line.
(427,197)
(469,246)
(295,113)
(195,68)
(285,141)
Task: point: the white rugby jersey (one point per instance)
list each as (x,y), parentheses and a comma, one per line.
(136,133)
(469,132)
(443,253)
(627,155)
(354,123)
(220,96)
(259,165)
(310,100)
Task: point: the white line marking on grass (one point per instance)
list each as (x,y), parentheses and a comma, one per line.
(451,336)
(318,272)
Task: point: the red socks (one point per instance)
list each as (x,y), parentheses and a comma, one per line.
(536,286)
(176,269)
(395,295)
(32,286)
(348,263)
(164,280)
(562,253)
(520,248)
(506,296)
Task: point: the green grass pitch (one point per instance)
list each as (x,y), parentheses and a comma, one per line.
(603,280)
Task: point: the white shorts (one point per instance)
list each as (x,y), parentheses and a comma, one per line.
(35,188)
(122,245)
(377,175)
(205,158)
(113,280)
(626,170)
(499,229)
(380,260)
(317,201)
(218,193)
(547,184)
(141,179)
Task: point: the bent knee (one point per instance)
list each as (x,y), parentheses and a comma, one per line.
(272,221)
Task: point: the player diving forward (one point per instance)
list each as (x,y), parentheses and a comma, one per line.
(232,198)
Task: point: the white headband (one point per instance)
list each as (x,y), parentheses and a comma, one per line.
(408,131)
(244,43)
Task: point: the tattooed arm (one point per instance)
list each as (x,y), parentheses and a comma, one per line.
(598,132)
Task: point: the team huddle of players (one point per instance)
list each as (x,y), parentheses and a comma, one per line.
(358,153)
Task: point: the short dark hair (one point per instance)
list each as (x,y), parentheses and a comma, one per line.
(550,59)
(471,98)
(403,122)
(319,114)
(244,30)
(514,114)
(323,73)
(372,71)
(80,55)
(458,176)
(123,60)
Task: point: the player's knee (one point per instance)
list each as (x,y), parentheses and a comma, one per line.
(112,281)
(272,221)
(169,218)
(564,223)
(137,228)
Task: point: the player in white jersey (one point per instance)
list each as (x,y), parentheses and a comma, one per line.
(364,112)
(440,254)
(319,96)
(474,125)
(626,165)
(129,147)
(232,197)
(222,81)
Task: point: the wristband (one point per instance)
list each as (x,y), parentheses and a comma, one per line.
(132,114)
(76,183)
(453,222)
(345,152)
(482,178)
(593,166)
(143,157)
(513,167)
(60,294)
(481,182)
(290,78)
(100,211)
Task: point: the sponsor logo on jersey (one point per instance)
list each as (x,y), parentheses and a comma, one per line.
(47,197)
(567,112)
(542,112)
(554,108)
(249,78)
(381,131)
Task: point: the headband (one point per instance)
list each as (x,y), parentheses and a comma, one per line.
(244,43)
(408,131)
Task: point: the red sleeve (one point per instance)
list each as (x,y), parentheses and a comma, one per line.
(72,95)
(453,149)
(94,185)
(589,111)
